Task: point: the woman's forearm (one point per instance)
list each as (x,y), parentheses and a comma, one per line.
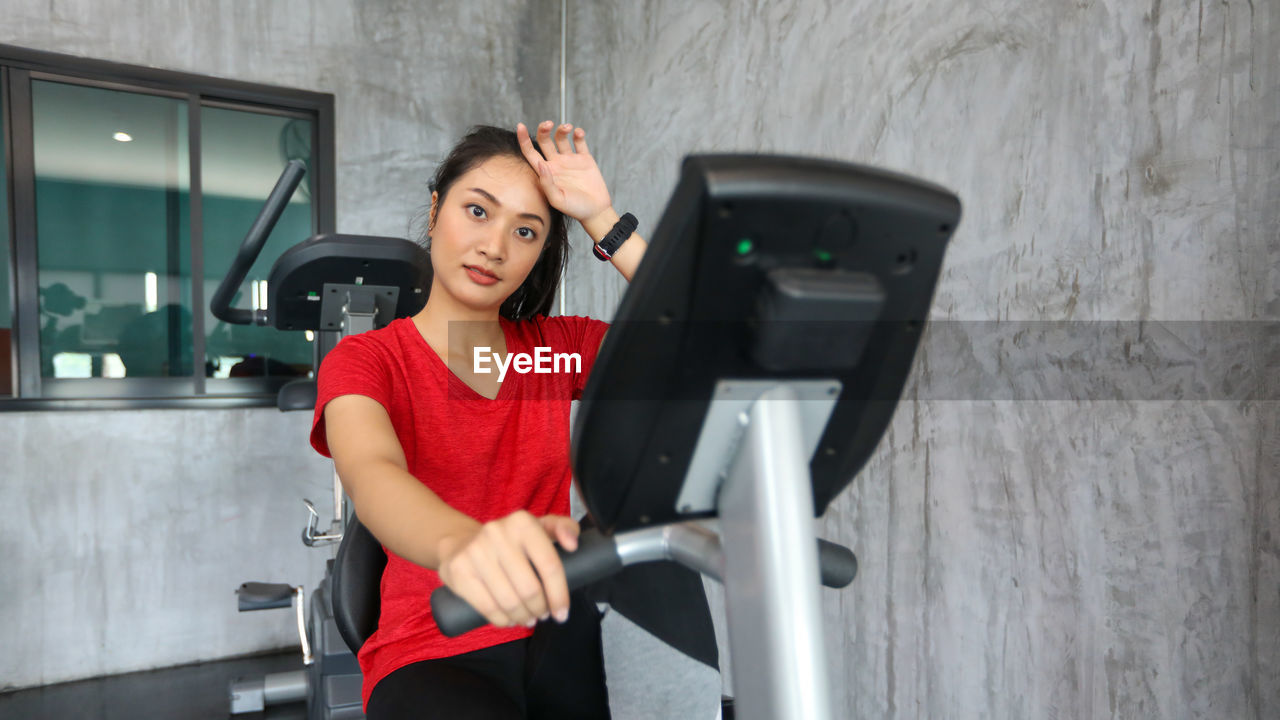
(401,512)
(405,515)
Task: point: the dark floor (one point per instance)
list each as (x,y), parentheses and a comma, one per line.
(190,692)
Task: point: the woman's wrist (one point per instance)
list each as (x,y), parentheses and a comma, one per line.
(599,225)
(451,542)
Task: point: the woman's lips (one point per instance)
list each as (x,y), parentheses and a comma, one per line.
(479,277)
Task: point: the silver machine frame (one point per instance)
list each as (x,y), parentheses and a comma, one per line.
(762,547)
(357,313)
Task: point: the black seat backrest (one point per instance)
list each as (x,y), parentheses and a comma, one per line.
(357,580)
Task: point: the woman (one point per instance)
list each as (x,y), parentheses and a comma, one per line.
(465,479)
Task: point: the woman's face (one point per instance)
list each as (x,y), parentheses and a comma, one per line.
(488,232)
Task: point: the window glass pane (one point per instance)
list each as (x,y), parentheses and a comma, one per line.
(242,156)
(6,311)
(112,223)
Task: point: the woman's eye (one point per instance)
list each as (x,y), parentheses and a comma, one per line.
(476,211)
(526,233)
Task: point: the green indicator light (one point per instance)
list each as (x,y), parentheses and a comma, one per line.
(312,293)
(744,246)
(822,255)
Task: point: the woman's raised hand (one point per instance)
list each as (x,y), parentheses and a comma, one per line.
(568,175)
(509,571)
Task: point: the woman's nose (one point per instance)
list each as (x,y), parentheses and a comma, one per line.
(492,244)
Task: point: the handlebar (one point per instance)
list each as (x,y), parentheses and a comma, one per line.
(251,247)
(597,558)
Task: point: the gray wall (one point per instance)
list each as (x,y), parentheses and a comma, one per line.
(1028,549)
(1030,553)
(127,532)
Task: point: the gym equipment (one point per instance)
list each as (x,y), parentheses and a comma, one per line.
(333,285)
(752,368)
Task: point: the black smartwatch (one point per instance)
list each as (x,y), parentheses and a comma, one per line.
(613,240)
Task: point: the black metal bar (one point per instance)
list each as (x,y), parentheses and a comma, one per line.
(325,166)
(260,109)
(10,261)
(66,79)
(173,247)
(252,246)
(26,315)
(195,216)
(211,402)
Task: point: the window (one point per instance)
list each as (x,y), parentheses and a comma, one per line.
(112,191)
(131,190)
(244,154)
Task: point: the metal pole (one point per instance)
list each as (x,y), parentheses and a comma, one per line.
(771,568)
(564,112)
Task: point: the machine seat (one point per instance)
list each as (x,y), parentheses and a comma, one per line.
(357,578)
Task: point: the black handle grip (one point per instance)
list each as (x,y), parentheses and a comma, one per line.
(837,564)
(251,247)
(595,558)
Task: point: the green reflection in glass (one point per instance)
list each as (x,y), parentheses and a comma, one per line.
(243,154)
(112,191)
(6,312)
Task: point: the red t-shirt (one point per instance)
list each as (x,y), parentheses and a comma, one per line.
(486,458)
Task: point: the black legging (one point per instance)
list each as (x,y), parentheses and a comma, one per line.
(557,673)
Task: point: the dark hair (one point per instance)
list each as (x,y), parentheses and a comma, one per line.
(536,293)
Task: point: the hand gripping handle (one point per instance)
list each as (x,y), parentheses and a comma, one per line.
(595,558)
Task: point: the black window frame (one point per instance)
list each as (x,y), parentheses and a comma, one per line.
(18,68)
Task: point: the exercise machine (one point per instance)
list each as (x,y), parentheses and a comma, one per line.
(752,368)
(333,285)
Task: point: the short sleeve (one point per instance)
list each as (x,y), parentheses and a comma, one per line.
(355,367)
(581,335)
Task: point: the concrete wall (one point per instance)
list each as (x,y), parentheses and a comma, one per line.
(1037,551)
(1031,553)
(128,531)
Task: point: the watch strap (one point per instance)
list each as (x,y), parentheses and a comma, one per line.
(613,240)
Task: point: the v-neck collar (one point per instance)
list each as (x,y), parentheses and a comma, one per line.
(456,383)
